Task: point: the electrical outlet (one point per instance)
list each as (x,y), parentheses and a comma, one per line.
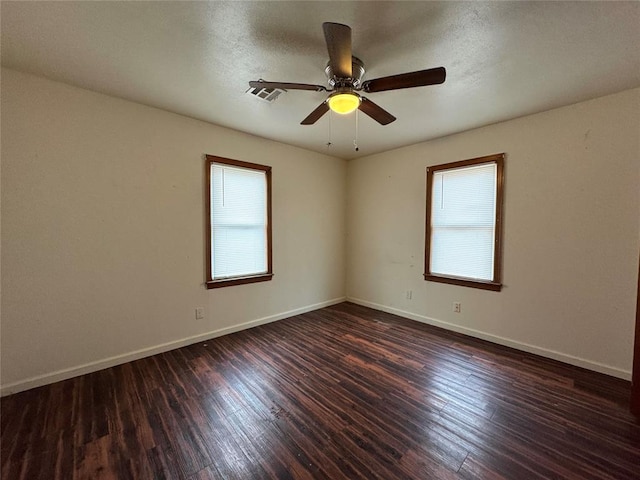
(199,313)
(409,294)
(457,307)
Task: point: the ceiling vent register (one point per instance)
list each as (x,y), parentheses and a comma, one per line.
(265,94)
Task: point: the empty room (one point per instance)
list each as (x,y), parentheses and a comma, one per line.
(319,240)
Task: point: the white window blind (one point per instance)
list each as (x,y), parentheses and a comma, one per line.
(463,213)
(238,221)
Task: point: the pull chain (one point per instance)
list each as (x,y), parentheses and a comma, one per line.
(223,170)
(329,132)
(355,141)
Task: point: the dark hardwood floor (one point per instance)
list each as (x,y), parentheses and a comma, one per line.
(342,392)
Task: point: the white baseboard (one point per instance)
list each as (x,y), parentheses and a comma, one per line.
(91,367)
(543,352)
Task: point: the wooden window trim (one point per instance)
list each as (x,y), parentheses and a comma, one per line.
(240,280)
(496,283)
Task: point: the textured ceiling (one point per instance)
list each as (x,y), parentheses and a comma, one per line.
(503,60)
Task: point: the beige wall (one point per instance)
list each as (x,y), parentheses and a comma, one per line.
(103,231)
(571,233)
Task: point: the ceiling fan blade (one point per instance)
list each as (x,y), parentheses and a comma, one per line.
(421,78)
(376,112)
(314,116)
(338,38)
(287,86)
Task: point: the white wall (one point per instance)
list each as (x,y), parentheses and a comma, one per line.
(103,231)
(571,233)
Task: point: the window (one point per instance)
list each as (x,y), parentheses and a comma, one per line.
(464,222)
(239,222)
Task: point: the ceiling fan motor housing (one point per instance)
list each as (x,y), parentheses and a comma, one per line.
(357,72)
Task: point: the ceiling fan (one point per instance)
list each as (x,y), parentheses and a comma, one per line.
(344,73)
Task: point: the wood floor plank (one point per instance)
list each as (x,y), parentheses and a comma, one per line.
(344,392)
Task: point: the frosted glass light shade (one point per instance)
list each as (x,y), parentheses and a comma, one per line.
(344,103)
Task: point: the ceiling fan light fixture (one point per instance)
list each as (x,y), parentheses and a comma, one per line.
(344,74)
(344,103)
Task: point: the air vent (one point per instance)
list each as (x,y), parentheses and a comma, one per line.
(265,94)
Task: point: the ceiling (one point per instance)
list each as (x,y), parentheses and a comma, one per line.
(503,60)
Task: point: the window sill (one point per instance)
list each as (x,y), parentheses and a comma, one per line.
(464,282)
(227,282)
